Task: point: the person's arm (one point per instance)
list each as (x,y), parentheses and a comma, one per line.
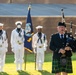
(6,39)
(12,40)
(34,43)
(52,44)
(45,43)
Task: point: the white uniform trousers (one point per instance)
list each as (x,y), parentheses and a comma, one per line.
(18,55)
(2,58)
(40,60)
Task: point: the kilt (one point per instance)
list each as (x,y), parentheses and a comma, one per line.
(56,67)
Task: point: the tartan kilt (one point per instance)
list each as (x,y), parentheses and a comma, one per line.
(56,67)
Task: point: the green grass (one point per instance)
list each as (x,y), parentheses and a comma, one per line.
(10,67)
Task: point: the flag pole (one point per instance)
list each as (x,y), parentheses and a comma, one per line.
(35,61)
(25,58)
(27,34)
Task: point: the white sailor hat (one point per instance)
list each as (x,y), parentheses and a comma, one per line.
(1,24)
(18,23)
(38,27)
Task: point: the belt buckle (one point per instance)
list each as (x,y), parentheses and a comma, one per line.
(40,46)
(19,43)
(0,45)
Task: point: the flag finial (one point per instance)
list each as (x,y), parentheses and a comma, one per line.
(62,9)
(29,7)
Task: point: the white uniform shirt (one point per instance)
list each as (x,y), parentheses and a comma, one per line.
(3,41)
(37,44)
(16,40)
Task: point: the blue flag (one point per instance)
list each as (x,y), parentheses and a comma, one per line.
(28,32)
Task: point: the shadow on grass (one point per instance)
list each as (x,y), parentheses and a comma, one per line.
(23,73)
(3,73)
(44,72)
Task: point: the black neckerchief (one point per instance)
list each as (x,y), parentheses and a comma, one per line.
(1,32)
(19,31)
(39,35)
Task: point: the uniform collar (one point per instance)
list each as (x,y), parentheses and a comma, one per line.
(61,34)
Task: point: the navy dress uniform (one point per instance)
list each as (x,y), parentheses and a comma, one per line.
(57,42)
(39,43)
(3,46)
(17,44)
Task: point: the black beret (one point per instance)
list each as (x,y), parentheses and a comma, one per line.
(61,24)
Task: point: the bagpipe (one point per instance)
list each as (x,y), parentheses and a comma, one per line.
(70,40)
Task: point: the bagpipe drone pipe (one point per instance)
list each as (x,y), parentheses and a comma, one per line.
(70,40)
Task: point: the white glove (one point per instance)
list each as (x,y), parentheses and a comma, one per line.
(35,50)
(44,48)
(6,49)
(12,49)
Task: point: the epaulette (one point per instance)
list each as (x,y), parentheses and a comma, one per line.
(53,34)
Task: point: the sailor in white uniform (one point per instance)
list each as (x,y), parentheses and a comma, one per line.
(39,44)
(3,46)
(17,44)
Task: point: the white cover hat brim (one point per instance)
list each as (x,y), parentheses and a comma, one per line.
(38,27)
(18,22)
(1,24)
